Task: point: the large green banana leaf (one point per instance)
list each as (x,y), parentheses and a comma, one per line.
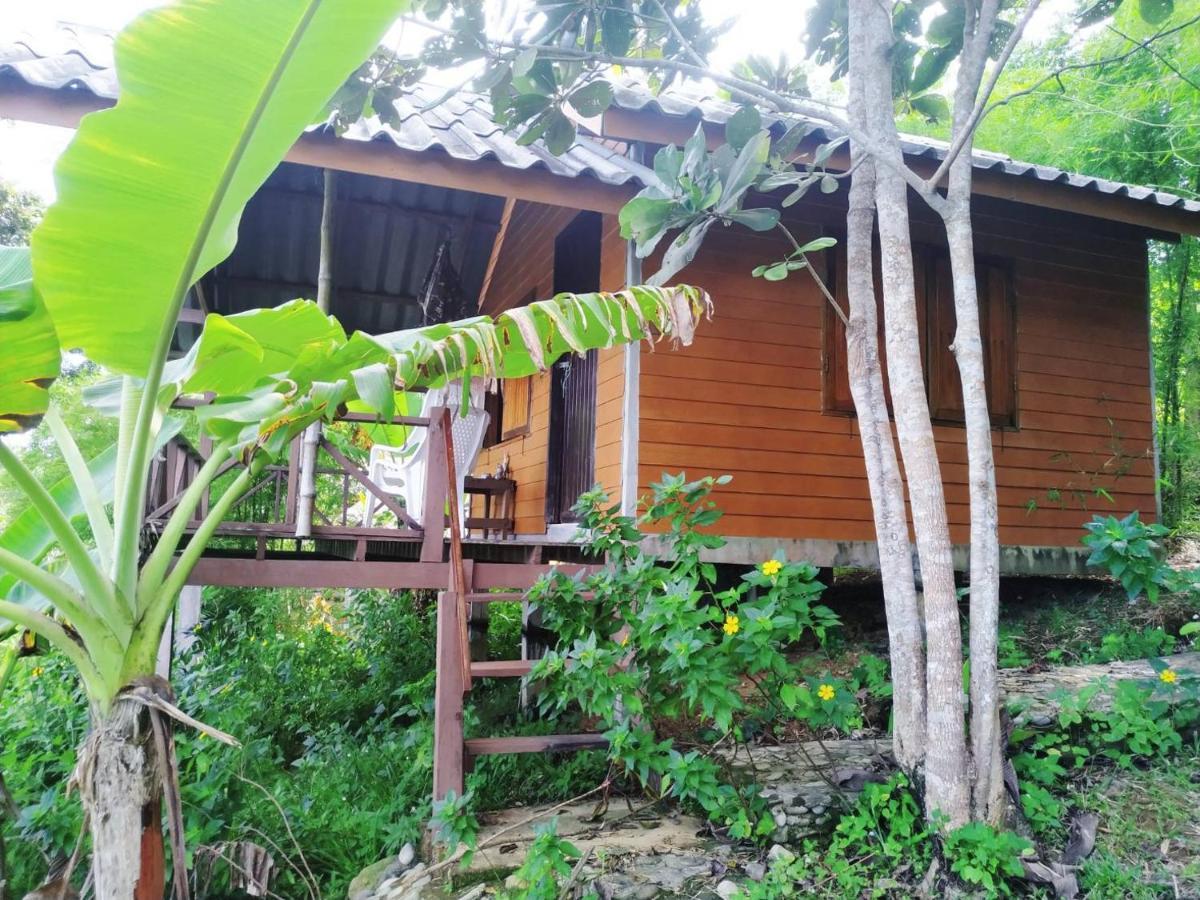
(29,345)
(263,406)
(212,95)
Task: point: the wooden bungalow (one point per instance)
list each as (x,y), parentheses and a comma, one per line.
(761,394)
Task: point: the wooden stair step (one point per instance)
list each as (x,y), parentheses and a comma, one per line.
(501,668)
(534,744)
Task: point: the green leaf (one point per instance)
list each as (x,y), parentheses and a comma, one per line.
(742,126)
(932,106)
(212,95)
(682,251)
(1155,12)
(592,99)
(616,30)
(745,171)
(31,354)
(763,219)
(559,133)
(931,68)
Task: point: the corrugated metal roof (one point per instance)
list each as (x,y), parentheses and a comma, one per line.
(80,58)
(684,104)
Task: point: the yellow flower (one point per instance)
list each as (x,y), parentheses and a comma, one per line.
(826,692)
(625,640)
(771,567)
(732,625)
(1168,676)
(36,671)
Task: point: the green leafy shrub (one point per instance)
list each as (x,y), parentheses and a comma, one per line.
(650,638)
(984,857)
(883,835)
(548,863)
(1132,643)
(1130,551)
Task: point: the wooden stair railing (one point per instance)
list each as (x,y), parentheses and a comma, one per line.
(452,752)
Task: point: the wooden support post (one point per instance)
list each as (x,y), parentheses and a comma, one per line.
(433,513)
(448,700)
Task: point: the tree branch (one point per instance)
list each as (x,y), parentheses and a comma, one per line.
(981,100)
(1057,74)
(737,86)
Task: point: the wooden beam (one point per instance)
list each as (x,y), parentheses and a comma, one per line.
(541,743)
(497,245)
(379,158)
(448,700)
(225,571)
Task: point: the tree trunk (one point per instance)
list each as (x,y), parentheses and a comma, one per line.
(946,785)
(120,779)
(987,787)
(905,639)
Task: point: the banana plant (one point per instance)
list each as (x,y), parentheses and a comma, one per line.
(212,95)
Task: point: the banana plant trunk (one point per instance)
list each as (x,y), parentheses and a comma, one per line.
(120,780)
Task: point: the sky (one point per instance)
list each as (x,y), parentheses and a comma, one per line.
(28,151)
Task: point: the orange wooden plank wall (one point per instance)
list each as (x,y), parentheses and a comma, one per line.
(525,269)
(745,399)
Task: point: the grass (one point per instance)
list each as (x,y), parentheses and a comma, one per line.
(1148,844)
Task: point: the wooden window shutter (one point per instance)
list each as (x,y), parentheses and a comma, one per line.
(836,383)
(515,408)
(997,298)
(997,330)
(837,397)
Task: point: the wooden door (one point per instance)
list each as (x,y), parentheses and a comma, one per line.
(571,466)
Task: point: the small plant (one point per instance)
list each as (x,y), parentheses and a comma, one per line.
(1130,551)
(454,823)
(1129,643)
(548,863)
(984,857)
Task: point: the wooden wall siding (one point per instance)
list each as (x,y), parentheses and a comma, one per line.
(610,377)
(524,270)
(746,397)
(524,265)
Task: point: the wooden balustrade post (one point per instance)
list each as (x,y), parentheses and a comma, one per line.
(437,486)
(448,699)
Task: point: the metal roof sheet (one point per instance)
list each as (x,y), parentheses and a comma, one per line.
(80,58)
(685,104)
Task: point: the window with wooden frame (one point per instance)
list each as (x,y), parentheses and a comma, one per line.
(936,323)
(508,410)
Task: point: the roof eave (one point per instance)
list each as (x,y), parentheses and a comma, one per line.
(65,108)
(1160,222)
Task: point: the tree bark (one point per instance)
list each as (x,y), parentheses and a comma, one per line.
(987,788)
(946,785)
(120,778)
(905,639)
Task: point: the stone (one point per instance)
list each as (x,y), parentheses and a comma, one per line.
(780,818)
(727,889)
(755,871)
(473,893)
(366,882)
(778,852)
(406,856)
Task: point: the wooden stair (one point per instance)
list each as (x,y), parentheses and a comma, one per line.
(456,673)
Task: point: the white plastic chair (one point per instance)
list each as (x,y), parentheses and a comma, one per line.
(401,471)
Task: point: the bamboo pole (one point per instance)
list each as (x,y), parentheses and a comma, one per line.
(312,434)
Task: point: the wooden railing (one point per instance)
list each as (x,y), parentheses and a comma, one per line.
(268,509)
